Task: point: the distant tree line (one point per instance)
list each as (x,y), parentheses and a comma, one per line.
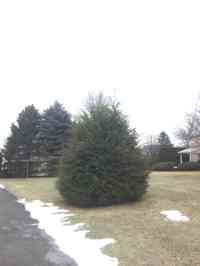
(159,149)
(36,142)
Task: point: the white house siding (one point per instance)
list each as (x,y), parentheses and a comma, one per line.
(193,150)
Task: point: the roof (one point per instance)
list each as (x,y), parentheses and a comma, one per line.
(189,150)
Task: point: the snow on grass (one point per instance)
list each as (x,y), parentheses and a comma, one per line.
(71,239)
(2,187)
(176,216)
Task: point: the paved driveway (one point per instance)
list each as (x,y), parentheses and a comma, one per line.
(21,242)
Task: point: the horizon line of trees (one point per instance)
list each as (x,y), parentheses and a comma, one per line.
(159,149)
(37,141)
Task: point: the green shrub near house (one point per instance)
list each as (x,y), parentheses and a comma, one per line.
(102,164)
(171,166)
(164,166)
(189,166)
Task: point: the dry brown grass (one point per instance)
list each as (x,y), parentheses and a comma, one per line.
(142,236)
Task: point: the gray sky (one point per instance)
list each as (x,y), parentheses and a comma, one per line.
(59,50)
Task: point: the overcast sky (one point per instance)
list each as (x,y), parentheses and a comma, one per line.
(145,52)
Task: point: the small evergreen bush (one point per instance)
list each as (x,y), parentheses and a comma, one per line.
(163,166)
(189,166)
(102,164)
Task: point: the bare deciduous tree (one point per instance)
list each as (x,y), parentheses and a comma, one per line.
(192,126)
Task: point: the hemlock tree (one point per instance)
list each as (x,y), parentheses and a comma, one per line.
(54,131)
(103,164)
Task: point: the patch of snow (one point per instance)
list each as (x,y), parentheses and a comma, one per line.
(176,216)
(2,187)
(71,239)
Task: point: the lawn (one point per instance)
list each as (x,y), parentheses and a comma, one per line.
(142,235)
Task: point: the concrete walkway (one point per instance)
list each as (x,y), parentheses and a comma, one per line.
(21,242)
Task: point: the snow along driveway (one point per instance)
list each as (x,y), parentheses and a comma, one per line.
(22,243)
(71,239)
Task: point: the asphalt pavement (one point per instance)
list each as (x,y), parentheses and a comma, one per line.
(22,243)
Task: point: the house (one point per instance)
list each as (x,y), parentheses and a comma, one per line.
(192,153)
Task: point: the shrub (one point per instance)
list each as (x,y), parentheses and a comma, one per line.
(189,166)
(164,166)
(102,164)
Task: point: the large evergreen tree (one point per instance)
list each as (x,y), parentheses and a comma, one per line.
(54,131)
(12,144)
(20,144)
(102,164)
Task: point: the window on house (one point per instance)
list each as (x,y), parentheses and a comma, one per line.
(186,157)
